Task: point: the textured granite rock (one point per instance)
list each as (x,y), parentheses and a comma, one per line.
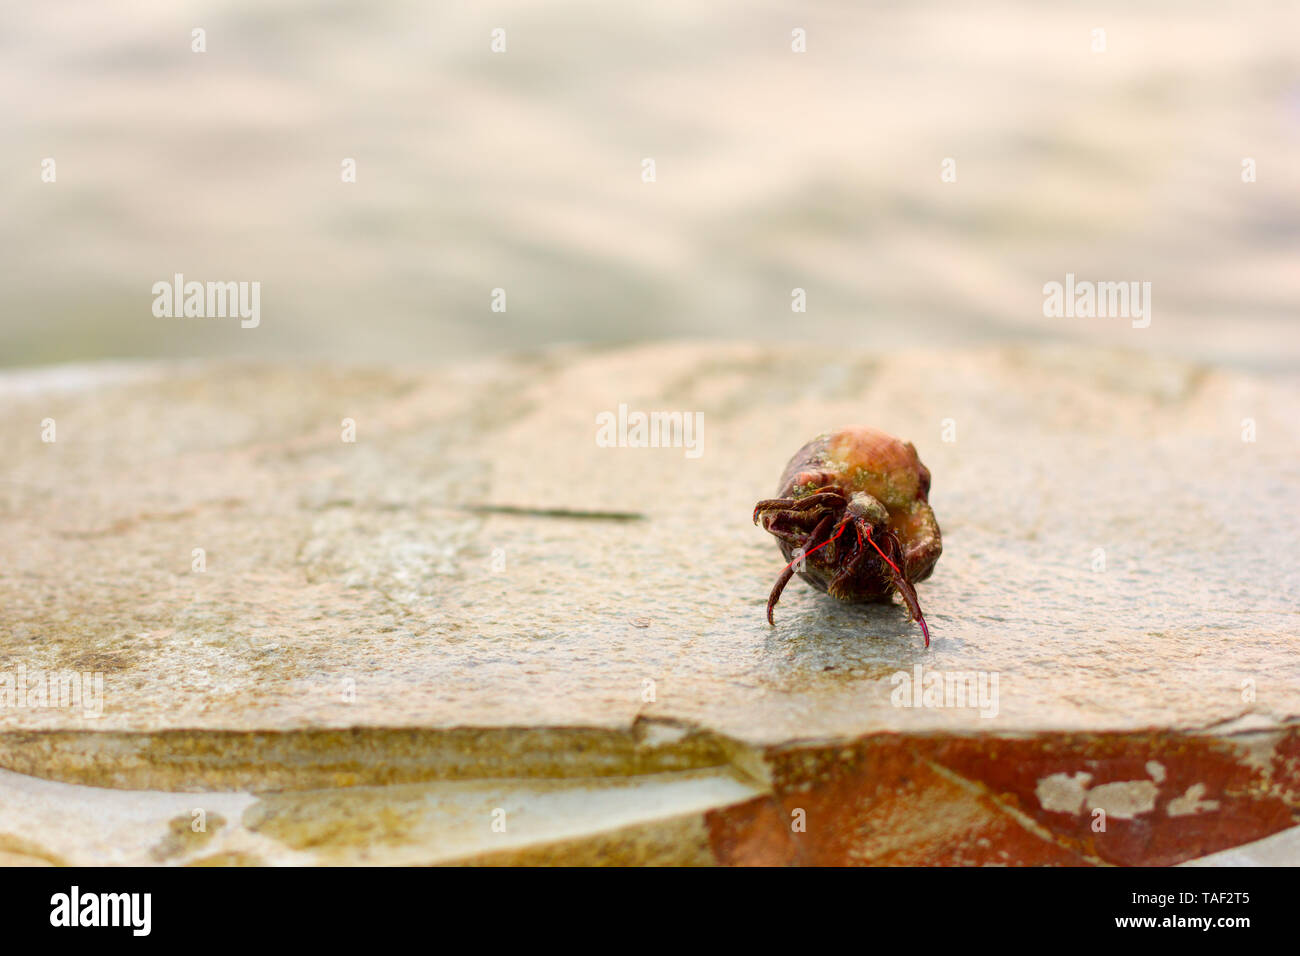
(476,591)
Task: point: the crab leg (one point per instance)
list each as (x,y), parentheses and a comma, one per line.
(788,571)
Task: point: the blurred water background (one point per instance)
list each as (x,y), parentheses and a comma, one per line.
(523,170)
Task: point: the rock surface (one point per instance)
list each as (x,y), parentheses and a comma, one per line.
(475,603)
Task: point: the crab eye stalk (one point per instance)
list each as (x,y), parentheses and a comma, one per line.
(872,481)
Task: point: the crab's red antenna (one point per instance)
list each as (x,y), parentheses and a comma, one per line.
(882,554)
(909,598)
(816,549)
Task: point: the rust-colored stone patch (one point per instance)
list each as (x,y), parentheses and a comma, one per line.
(1054,799)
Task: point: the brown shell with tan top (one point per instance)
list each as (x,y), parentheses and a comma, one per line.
(853,518)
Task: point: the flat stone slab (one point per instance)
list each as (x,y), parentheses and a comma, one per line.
(475,588)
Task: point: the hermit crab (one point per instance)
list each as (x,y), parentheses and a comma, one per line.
(853,519)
